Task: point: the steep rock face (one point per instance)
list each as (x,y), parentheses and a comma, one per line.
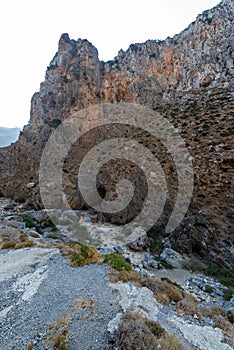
(188,79)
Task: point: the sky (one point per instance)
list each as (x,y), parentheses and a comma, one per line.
(30,31)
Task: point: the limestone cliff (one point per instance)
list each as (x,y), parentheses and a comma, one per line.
(188,79)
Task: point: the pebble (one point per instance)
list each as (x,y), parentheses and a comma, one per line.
(118,250)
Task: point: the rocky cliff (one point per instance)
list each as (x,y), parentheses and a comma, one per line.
(188,79)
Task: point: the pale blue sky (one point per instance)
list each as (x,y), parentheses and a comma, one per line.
(30,31)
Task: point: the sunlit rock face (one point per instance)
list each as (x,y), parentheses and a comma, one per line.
(189,80)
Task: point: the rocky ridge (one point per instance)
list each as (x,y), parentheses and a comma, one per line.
(188,79)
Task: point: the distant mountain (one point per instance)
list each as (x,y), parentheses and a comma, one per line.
(8,135)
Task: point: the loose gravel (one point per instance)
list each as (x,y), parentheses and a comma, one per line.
(30,320)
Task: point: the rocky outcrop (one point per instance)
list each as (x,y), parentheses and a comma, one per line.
(188,79)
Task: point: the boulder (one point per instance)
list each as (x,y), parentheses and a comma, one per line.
(173,258)
(137,240)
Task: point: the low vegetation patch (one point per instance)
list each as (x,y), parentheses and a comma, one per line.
(166,279)
(79,231)
(49,224)
(117,262)
(59,340)
(209,289)
(30,346)
(166,291)
(165,264)
(81,255)
(26,244)
(228,293)
(28,220)
(138,333)
(156,245)
(225,276)
(8,244)
(222,318)
(19,242)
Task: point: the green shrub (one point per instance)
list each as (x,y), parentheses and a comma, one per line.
(166,265)
(156,245)
(225,276)
(200,224)
(84,256)
(209,289)
(28,220)
(50,224)
(166,279)
(228,293)
(117,262)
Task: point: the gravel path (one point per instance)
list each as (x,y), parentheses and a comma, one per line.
(42,295)
(26,320)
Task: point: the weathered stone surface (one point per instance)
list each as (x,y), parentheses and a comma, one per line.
(137,240)
(189,80)
(25,259)
(136,299)
(202,337)
(172,257)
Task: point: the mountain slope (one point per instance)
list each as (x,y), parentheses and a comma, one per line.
(188,79)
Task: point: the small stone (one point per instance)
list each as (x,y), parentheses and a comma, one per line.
(128,260)
(118,249)
(220,293)
(30,185)
(34,264)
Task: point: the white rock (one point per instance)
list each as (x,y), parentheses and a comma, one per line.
(114,324)
(15,262)
(137,299)
(172,257)
(204,338)
(30,185)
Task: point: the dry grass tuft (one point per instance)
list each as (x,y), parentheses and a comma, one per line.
(170,342)
(25,244)
(222,323)
(170,291)
(59,341)
(30,346)
(8,244)
(58,334)
(188,307)
(222,318)
(18,240)
(82,303)
(139,333)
